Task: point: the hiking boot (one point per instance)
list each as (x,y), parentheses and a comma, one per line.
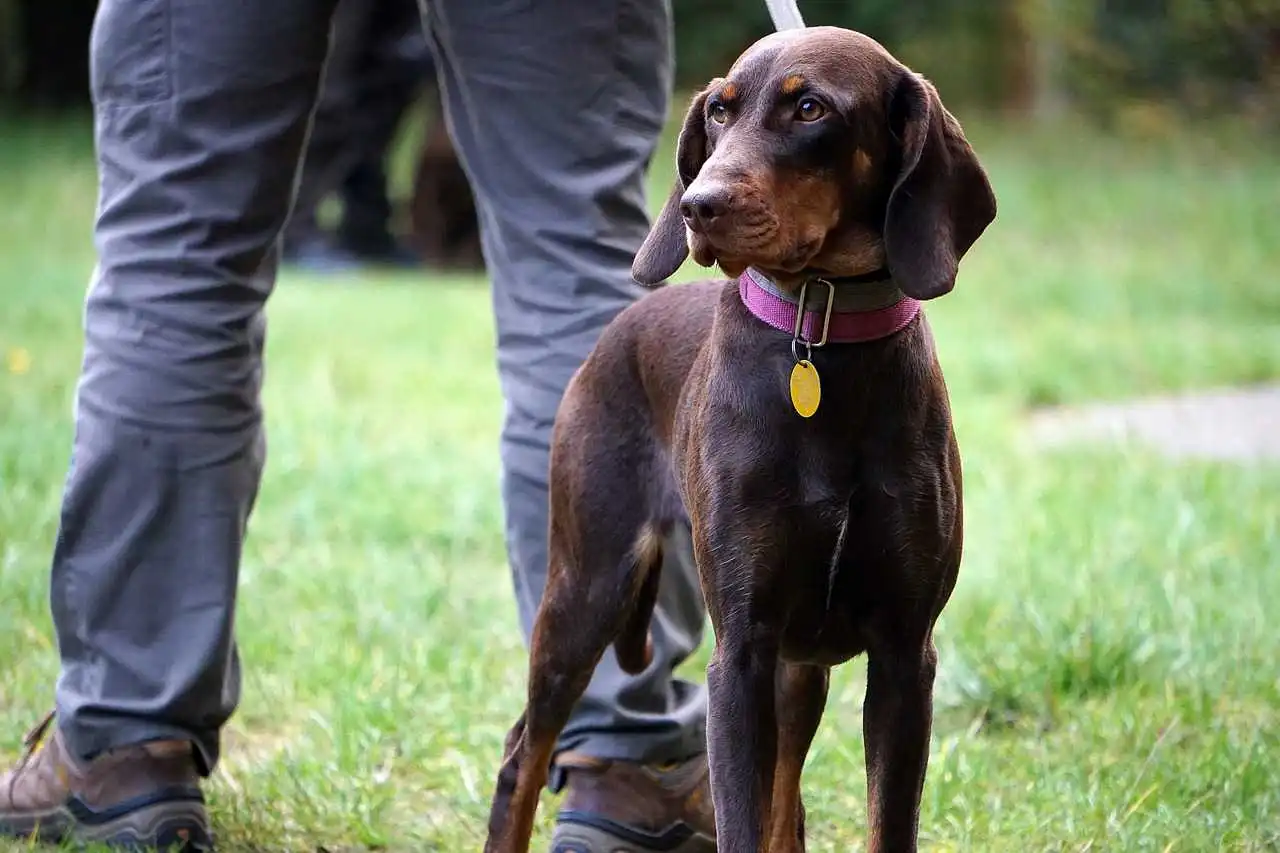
(136,798)
(622,807)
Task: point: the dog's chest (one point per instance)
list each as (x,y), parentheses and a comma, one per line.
(847,529)
(831,595)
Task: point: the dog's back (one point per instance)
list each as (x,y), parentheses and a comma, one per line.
(644,356)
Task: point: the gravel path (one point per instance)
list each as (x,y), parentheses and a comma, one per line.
(1236,424)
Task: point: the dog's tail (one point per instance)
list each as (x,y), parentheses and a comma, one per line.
(633,645)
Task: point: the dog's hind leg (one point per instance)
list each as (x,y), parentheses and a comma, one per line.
(508,776)
(801,697)
(583,609)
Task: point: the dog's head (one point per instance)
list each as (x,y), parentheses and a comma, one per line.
(821,154)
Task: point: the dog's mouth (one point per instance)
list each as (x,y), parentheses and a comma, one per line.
(734,252)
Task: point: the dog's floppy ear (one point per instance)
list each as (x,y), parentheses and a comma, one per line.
(941,202)
(666,246)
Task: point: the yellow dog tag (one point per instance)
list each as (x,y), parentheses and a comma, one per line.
(806,390)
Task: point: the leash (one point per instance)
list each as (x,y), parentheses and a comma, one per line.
(785,14)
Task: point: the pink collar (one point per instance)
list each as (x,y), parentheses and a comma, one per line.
(860,313)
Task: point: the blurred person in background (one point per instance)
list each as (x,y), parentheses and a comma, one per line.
(379,63)
(202,114)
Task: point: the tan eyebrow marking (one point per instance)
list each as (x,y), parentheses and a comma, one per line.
(791,84)
(861,163)
(729,92)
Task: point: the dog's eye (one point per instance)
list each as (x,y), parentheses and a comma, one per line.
(810,110)
(718,112)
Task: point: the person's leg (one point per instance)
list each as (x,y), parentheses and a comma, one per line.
(365,226)
(334,145)
(200,119)
(556,108)
(396,68)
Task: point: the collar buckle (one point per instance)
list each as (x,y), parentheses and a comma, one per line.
(802,310)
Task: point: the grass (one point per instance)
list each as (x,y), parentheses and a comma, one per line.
(1108,677)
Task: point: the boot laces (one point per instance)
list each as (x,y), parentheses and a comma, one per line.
(31,744)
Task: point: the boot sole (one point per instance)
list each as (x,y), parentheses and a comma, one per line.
(170,825)
(590,834)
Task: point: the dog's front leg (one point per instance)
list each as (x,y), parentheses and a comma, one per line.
(802,696)
(897,717)
(741,738)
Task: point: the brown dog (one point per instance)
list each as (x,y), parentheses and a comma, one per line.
(820,165)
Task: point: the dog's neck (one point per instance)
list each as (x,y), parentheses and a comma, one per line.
(863,308)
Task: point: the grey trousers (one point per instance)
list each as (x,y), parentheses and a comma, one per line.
(201,115)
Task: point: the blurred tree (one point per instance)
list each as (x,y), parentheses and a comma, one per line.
(44,50)
(1025,56)
(1206,56)
(1035,56)
(10,64)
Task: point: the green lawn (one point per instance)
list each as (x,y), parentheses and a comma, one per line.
(1109,676)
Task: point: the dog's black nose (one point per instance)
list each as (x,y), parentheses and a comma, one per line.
(701,209)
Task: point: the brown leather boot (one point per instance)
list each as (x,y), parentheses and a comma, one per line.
(138,797)
(621,807)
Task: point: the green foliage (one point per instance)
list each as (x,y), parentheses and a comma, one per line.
(1204,55)
(1209,55)
(935,34)
(1108,57)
